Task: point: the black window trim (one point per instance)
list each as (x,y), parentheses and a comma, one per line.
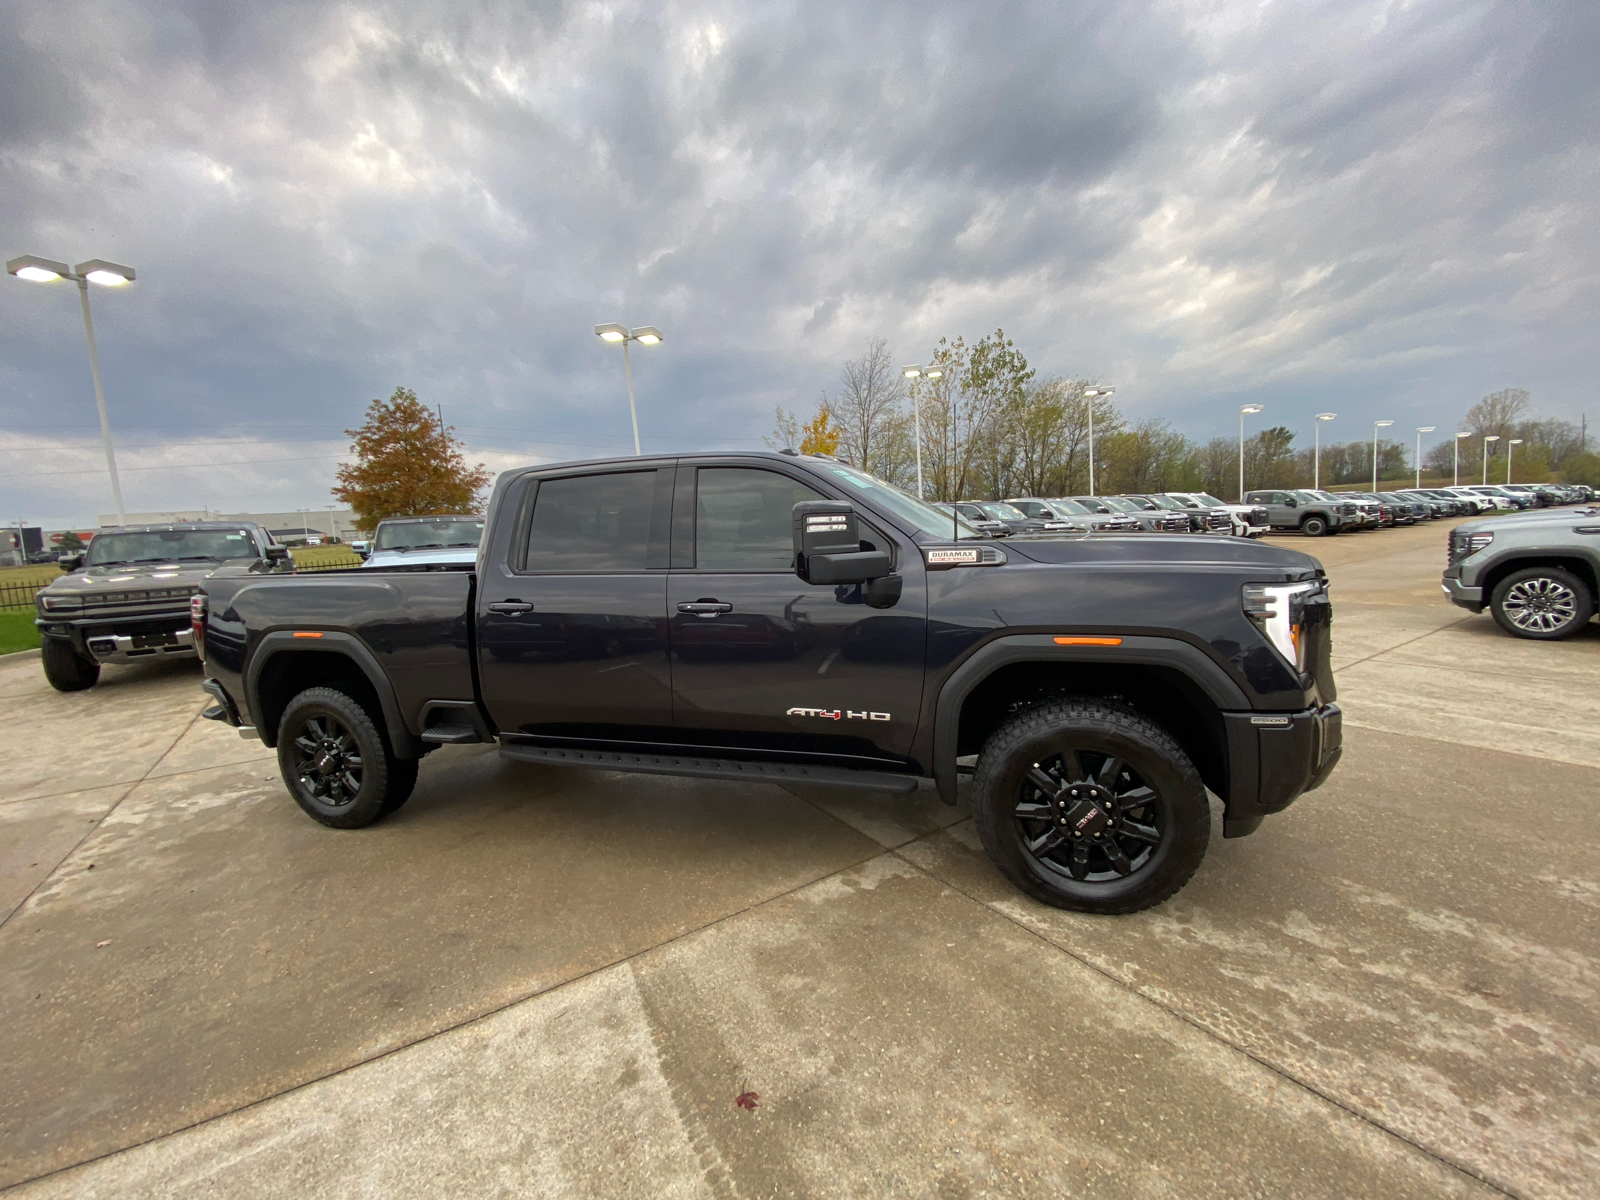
(657,540)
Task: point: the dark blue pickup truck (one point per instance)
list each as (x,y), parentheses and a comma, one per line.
(790,619)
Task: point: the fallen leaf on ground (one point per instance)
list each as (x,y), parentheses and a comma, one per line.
(747,1100)
(102,945)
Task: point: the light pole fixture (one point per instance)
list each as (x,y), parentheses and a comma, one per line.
(645,335)
(1316,456)
(1465,433)
(1090,394)
(915,372)
(1421,429)
(1509,453)
(1244,410)
(106,274)
(1493,437)
(1376,425)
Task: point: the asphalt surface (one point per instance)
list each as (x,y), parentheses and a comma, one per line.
(555,982)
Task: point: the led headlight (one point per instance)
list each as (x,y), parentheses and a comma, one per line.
(60,603)
(1276,610)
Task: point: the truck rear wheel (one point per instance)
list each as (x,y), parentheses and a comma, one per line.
(1544,603)
(64,668)
(337,764)
(1090,806)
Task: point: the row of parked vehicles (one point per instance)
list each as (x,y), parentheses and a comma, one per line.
(1164,512)
(1319,513)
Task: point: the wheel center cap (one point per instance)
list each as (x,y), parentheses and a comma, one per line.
(328,761)
(1086,813)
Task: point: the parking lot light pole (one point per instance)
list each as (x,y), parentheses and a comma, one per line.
(645,335)
(1244,410)
(1090,394)
(1465,433)
(1376,425)
(1509,453)
(107,274)
(1493,437)
(1316,457)
(1421,429)
(914,373)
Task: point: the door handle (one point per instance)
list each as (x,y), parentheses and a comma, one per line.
(511,608)
(705,608)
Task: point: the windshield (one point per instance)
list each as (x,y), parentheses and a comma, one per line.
(170,545)
(1003,512)
(1311,496)
(1064,506)
(919,514)
(430,533)
(1118,504)
(1205,499)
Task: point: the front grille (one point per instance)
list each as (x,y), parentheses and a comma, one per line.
(1347,510)
(163,597)
(1259,516)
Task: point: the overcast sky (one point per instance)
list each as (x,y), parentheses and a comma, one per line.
(1382,209)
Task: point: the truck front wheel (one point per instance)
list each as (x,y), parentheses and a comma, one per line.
(1542,602)
(336,763)
(1314,526)
(64,668)
(1090,806)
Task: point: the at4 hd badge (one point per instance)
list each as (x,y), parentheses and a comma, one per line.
(837,714)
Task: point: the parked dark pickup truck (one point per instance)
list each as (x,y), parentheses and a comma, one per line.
(792,620)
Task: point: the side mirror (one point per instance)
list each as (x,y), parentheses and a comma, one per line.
(71,562)
(1292,502)
(277,555)
(827,545)
(363,554)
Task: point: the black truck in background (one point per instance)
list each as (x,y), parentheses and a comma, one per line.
(793,620)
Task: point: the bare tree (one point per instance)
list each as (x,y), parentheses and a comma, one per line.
(871,397)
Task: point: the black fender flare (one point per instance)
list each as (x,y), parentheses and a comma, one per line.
(1141,650)
(286,641)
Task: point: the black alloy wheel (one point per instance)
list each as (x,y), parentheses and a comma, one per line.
(1314,526)
(337,763)
(1543,603)
(1089,805)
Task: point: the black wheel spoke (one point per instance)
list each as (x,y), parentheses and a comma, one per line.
(1029,810)
(306,744)
(1109,770)
(1072,767)
(1143,833)
(1047,784)
(1119,860)
(1137,798)
(1047,841)
(1078,865)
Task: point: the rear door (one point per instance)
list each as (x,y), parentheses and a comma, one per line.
(763,660)
(572,629)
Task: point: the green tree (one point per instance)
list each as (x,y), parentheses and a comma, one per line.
(407,465)
(71,543)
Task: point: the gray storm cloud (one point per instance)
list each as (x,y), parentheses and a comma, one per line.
(1384,208)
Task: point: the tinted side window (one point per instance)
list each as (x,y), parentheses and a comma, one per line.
(744,519)
(592,524)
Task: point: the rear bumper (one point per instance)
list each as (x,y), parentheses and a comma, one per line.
(1274,758)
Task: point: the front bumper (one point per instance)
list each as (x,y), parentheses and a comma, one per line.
(1470,598)
(132,639)
(1275,758)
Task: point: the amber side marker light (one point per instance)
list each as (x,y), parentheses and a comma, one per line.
(305,633)
(1088,641)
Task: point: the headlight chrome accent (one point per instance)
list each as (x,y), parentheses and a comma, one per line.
(1275,608)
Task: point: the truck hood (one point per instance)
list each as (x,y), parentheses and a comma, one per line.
(1533,519)
(1156,549)
(141,579)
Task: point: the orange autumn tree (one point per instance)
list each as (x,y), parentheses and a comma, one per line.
(407,465)
(820,435)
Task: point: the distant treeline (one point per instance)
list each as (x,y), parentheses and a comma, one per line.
(992,428)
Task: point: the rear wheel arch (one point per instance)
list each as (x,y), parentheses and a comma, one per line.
(283,667)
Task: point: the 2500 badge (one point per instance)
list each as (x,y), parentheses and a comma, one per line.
(837,714)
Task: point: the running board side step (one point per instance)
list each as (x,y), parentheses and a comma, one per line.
(710,768)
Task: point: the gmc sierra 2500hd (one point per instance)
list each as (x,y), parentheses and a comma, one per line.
(793,620)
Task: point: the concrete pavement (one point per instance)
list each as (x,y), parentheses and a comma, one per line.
(560,982)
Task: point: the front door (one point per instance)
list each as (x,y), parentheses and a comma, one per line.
(572,629)
(761,658)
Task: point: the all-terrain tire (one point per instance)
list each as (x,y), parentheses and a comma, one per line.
(1314,526)
(64,668)
(337,763)
(1544,603)
(1120,754)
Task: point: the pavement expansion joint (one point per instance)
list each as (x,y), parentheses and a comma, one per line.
(1178,1013)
